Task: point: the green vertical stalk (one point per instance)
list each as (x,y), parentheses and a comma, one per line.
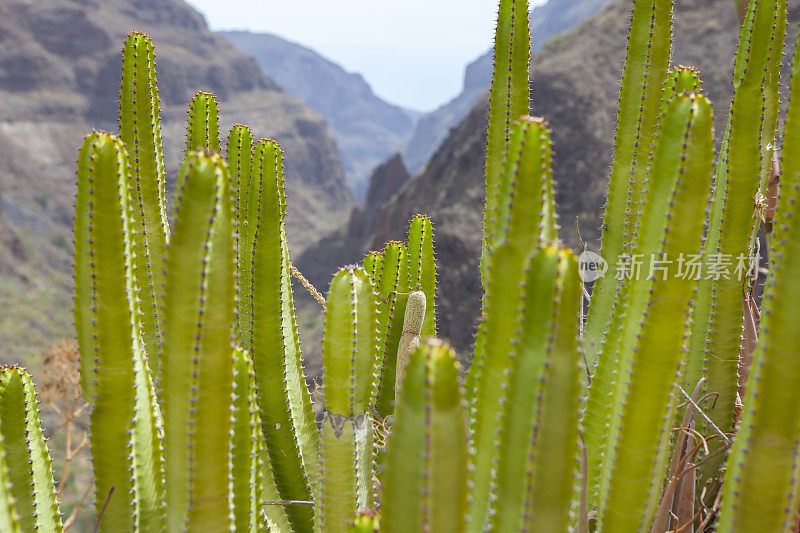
(140,130)
(422,268)
(425,484)
(284,402)
(646,66)
(125,437)
(240,161)
(9,517)
(509,99)
(348,359)
(628,416)
(538,441)
(744,161)
(30,479)
(761,490)
(202,129)
(198,367)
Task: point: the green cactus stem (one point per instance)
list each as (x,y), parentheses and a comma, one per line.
(240,163)
(631,406)
(140,130)
(32,494)
(422,267)
(744,163)
(284,402)
(9,517)
(126,439)
(425,484)
(646,66)
(348,358)
(202,129)
(681,79)
(509,99)
(246,468)
(197,362)
(760,491)
(524,190)
(538,441)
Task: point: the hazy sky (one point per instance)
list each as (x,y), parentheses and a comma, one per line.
(412,52)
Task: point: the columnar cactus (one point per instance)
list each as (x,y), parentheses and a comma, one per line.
(201,416)
(27,493)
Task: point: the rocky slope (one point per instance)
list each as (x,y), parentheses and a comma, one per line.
(367,129)
(575,86)
(547,20)
(59,78)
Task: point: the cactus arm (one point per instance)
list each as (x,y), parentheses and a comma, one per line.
(425,483)
(717,321)
(103,264)
(422,268)
(553,469)
(348,359)
(373,266)
(681,79)
(642,408)
(9,517)
(540,377)
(283,398)
(275,515)
(393,293)
(245,495)
(140,130)
(509,98)
(198,367)
(31,472)
(761,484)
(240,159)
(646,65)
(504,300)
(202,130)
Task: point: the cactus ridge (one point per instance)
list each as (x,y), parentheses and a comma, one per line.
(9,517)
(31,491)
(422,267)
(202,130)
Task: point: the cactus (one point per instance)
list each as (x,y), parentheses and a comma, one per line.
(426,465)
(348,358)
(201,417)
(646,66)
(31,492)
(760,489)
(742,171)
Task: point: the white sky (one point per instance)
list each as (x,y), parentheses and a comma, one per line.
(412,52)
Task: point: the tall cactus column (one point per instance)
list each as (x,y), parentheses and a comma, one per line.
(197,362)
(348,358)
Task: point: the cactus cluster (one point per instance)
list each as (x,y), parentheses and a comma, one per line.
(202,419)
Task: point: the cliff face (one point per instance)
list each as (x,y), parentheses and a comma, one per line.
(546,21)
(575,85)
(60,67)
(367,129)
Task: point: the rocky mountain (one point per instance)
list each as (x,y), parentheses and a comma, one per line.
(59,78)
(546,21)
(575,85)
(367,128)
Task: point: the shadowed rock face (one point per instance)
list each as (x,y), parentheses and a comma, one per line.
(60,67)
(367,128)
(575,84)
